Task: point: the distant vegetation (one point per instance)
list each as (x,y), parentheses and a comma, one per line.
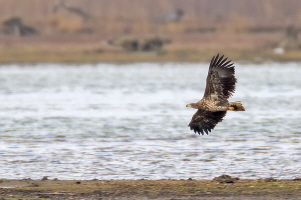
(144,17)
(191,25)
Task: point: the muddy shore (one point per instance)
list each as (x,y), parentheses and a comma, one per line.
(223,187)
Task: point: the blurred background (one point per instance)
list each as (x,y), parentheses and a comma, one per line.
(192,30)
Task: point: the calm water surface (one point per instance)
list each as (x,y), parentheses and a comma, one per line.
(130,122)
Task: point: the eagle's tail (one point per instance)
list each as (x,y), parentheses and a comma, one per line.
(236,106)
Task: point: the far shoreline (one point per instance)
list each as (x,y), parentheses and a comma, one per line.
(38,56)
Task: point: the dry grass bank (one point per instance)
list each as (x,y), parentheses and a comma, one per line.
(150,189)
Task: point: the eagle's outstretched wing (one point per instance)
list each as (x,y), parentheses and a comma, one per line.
(204,121)
(220,81)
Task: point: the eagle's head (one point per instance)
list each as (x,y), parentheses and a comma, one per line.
(192,105)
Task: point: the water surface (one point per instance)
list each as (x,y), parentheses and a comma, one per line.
(130,122)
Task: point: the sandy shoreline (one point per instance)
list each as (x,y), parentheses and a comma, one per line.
(219,188)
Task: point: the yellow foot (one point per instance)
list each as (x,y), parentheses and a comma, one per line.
(230,108)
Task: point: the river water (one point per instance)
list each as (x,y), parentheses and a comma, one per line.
(108,121)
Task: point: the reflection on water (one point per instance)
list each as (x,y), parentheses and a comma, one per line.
(130,122)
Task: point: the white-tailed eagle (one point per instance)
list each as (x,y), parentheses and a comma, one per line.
(212,108)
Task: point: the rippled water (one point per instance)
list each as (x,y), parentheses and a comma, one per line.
(130,122)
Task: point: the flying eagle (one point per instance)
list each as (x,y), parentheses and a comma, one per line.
(220,85)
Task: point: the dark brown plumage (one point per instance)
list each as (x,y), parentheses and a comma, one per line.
(220,85)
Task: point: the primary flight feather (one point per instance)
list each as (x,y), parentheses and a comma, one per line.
(220,85)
